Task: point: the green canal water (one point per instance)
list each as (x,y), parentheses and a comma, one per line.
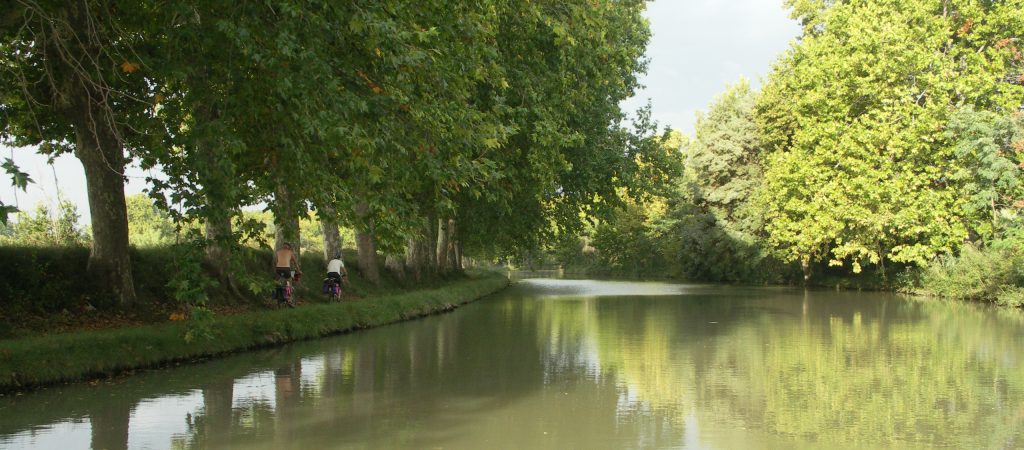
(583,364)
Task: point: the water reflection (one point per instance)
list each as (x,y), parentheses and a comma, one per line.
(583,364)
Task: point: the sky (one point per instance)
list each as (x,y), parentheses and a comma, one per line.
(697,48)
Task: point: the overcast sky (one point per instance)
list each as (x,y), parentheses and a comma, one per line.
(700,46)
(697,48)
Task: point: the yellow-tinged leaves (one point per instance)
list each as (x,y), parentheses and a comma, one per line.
(129,67)
(966,28)
(373,86)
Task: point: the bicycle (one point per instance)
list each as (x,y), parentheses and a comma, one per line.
(284,290)
(333,288)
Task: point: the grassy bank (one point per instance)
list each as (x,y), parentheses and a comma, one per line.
(45,290)
(41,360)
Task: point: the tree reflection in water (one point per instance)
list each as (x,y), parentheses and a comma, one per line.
(573,368)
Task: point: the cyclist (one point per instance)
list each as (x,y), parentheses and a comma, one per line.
(336,270)
(283,261)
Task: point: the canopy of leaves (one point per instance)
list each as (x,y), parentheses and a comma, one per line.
(860,169)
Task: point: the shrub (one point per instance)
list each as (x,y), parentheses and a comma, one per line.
(1012,296)
(989,274)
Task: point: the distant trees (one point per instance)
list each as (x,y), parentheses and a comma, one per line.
(715,212)
(888,136)
(148,225)
(703,222)
(45,227)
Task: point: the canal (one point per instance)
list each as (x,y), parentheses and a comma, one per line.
(582,364)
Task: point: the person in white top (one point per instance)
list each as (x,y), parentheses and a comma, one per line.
(336,270)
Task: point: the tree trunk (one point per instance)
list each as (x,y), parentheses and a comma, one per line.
(444,248)
(459,265)
(103,159)
(332,236)
(83,99)
(218,229)
(286,220)
(218,251)
(422,253)
(218,211)
(805,265)
(430,244)
(454,249)
(365,244)
(395,265)
(216,181)
(414,259)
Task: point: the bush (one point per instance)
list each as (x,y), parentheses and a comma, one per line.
(46,280)
(1012,296)
(990,274)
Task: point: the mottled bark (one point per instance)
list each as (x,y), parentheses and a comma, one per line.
(459,265)
(220,206)
(82,97)
(332,235)
(430,244)
(102,157)
(421,256)
(366,244)
(218,251)
(286,220)
(448,252)
(444,262)
(454,250)
(218,232)
(395,265)
(414,259)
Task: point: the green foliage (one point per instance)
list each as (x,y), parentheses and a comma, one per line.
(189,283)
(1011,296)
(566,66)
(492,112)
(148,225)
(859,171)
(990,274)
(989,151)
(625,244)
(45,228)
(625,239)
(44,281)
(19,180)
(701,246)
(725,158)
(701,225)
